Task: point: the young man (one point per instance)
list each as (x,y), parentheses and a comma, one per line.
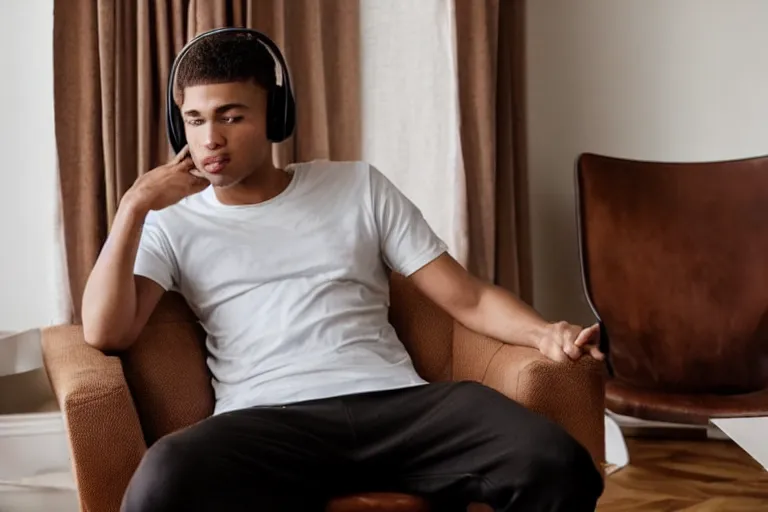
(285,268)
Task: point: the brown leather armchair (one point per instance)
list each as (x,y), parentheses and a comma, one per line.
(674,259)
(115,406)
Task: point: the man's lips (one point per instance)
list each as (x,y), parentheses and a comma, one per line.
(215,164)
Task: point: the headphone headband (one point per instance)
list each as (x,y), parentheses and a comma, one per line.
(281,106)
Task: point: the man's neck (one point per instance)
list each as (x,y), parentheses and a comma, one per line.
(262,185)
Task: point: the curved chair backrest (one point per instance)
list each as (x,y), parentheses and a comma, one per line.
(675,266)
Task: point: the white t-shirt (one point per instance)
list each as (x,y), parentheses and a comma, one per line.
(292,292)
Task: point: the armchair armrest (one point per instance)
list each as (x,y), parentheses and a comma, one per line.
(103,430)
(572,394)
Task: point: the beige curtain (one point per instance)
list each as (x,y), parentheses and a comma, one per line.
(490,55)
(111,63)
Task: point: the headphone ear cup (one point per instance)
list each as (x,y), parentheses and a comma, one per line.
(276,126)
(181,136)
(174,124)
(290,115)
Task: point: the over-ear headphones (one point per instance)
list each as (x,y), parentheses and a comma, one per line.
(281,106)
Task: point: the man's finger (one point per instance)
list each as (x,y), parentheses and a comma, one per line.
(594,351)
(553,351)
(572,351)
(558,356)
(184,153)
(185,165)
(198,184)
(588,336)
(194,172)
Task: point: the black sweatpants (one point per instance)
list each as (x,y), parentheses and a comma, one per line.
(455,443)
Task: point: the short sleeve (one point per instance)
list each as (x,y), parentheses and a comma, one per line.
(154,258)
(407,241)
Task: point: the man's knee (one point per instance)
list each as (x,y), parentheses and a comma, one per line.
(560,464)
(528,451)
(165,476)
(555,462)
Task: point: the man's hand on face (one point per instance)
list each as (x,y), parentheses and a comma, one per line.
(167,184)
(563,341)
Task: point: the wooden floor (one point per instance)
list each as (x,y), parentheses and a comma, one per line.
(690,476)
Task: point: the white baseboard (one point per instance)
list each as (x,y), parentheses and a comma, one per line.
(32,444)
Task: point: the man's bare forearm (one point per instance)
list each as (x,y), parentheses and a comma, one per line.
(497,313)
(501,315)
(109,300)
(116,305)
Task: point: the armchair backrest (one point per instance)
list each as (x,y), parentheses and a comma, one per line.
(171,384)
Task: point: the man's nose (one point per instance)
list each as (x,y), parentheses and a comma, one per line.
(213,137)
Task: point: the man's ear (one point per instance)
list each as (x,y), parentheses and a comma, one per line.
(178,96)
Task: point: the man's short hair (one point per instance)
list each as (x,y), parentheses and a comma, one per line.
(224,57)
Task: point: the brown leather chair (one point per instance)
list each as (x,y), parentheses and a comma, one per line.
(116,406)
(675,265)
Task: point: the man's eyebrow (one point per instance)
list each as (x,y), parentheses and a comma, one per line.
(219,110)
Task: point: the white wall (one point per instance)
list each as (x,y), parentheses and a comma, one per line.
(30,263)
(647,79)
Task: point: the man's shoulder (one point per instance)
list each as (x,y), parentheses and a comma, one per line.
(177,214)
(353,176)
(335,167)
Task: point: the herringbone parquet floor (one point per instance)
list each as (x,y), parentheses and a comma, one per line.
(690,476)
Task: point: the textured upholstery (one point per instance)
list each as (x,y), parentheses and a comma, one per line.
(103,429)
(674,266)
(424,328)
(571,394)
(166,374)
(166,368)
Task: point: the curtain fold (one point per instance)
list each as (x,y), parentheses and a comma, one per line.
(77,110)
(490,67)
(111,63)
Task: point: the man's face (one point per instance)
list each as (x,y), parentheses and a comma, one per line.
(226,130)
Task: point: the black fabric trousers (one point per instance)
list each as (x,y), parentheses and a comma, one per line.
(455,443)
